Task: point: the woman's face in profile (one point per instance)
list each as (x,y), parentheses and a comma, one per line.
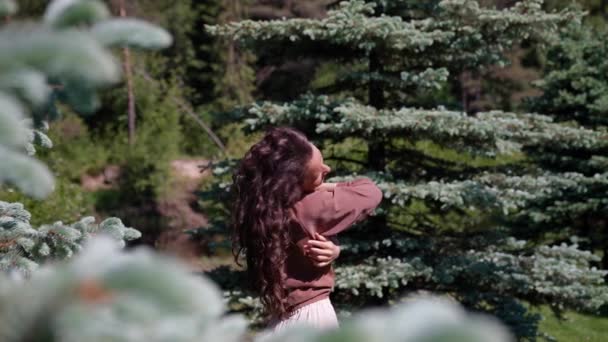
(316,171)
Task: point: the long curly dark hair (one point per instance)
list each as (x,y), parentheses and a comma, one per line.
(266,184)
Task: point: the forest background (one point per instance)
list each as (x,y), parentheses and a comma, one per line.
(148,171)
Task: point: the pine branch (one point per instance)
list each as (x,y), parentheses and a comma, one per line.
(486,133)
(461,33)
(353,17)
(536,196)
(543,276)
(23,248)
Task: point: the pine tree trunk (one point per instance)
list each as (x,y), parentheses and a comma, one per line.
(464,77)
(377,153)
(236,86)
(129,77)
(376,156)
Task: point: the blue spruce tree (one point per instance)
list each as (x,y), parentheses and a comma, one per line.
(468,210)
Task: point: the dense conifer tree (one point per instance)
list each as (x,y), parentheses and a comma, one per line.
(467,211)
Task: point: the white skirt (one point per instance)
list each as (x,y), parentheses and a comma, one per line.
(320,314)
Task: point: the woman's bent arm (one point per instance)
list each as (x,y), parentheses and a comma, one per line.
(333,211)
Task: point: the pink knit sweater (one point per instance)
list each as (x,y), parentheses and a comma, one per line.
(328,213)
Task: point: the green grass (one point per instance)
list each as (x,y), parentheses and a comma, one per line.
(574,326)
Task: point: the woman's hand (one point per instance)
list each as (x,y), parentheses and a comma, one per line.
(321,251)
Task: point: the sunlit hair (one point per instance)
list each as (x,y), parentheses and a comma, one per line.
(266,184)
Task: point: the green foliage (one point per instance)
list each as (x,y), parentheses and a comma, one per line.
(132,33)
(228,75)
(596,10)
(31,9)
(469,208)
(180,19)
(212,76)
(459,33)
(575,81)
(146,163)
(7,7)
(571,326)
(67,203)
(62,51)
(574,86)
(24,248)
(490,133)
(18,169)
(65,14)
(66,51)
(104,293)
(76,151)
(36,54)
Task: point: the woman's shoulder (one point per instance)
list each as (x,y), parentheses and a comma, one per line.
(311,210)
(313,202)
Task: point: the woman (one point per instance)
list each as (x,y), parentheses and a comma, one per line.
(283,216)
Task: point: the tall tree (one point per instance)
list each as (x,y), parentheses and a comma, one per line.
(461,198)
(574,89)
(129,77)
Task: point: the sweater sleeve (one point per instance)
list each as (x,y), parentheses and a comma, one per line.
(331,212)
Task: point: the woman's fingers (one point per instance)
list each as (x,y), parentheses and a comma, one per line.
(320,237)
(317,262)
(319,251)
(320,244)
(317,257)
(321,264)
